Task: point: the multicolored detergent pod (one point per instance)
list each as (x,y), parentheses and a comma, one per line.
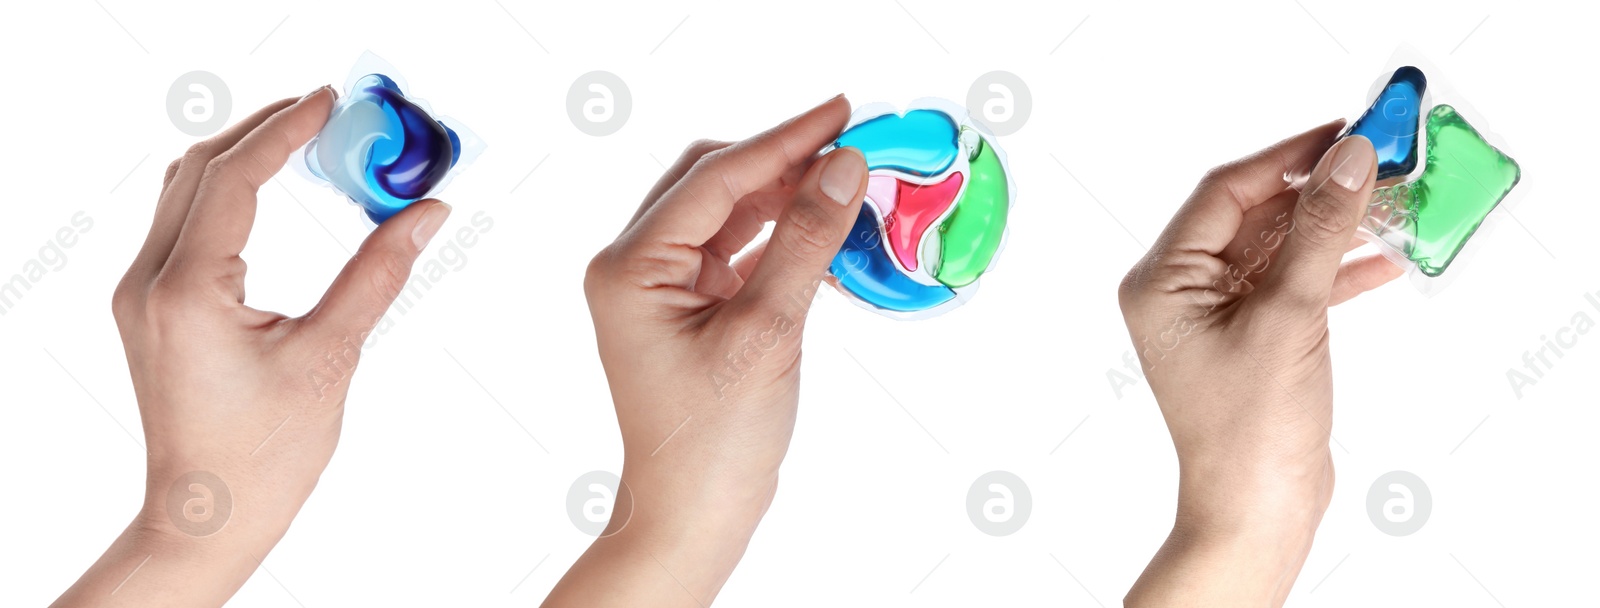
(938,197)
(1425,222)
(385,150)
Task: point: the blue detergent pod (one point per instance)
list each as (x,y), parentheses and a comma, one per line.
(1394,121)
(383,149)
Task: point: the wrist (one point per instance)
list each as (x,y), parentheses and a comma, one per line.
(1226,561)
(151,564)
(223,508)
(1239,538)
(161,531)
(1242,492)
(689,521)
(675,500)
(664,546)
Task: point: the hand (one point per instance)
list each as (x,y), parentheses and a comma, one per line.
(702,353)
(241,408)
(1228,312)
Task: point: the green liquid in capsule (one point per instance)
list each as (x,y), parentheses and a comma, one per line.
(1431,218)
(970,237)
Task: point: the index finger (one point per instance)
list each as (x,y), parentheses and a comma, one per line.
(694,209)
(1211,217)
(225,204)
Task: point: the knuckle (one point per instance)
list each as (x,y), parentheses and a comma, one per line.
(219,167)
(1128,299)
(231,272)
(125,300)
(1219,173)
(1141,288)
(809,231)
(1131,286)
(1163,270)
(230,165)
(712,163)
(1192,269)
(172,172)
(633,264)
(707,161)
(1225,180)
(1178,280)
(199,153)
(1224,175)
(595,274)
(1323,215)
(699,148)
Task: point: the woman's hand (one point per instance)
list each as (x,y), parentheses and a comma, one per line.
(1229,315)
(241,408)
(702,353)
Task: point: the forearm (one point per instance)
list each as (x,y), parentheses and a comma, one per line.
(152,564)
(194,542)
(1235,544)
(662,553)
(630,571)
(1198,569)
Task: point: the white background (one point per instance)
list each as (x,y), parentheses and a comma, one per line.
(437,497)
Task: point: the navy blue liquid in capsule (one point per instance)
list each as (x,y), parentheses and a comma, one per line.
(381,149)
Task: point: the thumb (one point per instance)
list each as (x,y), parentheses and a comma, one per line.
(373,278)
(807,235)
(1325,219)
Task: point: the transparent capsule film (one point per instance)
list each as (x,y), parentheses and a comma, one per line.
(1439,178)
(938,198)
(384,149)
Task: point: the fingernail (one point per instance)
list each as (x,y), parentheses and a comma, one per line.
(315,91)
(1350,166)
(841,178)
(429,224)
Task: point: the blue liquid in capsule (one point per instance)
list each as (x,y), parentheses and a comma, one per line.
(863,267)
(1393,121)
(381,149)
(920,142)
